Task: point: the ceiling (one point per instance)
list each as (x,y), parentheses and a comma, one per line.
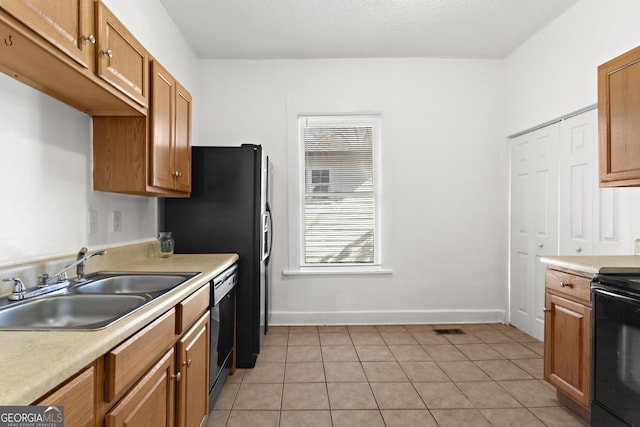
(301,29)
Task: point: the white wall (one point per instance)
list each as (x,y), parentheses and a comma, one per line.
(555,72)
(444,179)
(46,158)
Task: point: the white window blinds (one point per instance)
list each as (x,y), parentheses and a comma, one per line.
(339,190)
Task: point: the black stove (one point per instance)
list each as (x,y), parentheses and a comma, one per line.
(615,341)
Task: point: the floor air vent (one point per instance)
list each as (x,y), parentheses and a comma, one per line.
(449,331)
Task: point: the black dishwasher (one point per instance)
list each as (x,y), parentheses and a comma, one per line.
(223,297)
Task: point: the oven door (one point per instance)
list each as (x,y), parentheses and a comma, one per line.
(616,357)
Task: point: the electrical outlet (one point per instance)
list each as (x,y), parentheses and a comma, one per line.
(117,221)
(93,221)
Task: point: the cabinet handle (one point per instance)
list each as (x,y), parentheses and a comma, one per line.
(9,41)
(90,38)
(566,285)
(177,376)
(187,363)
(108,53)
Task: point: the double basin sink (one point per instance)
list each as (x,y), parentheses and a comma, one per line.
(100,300)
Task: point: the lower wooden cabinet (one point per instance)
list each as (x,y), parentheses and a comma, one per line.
(77,397)
(192,405)
(157,377)
(151,401)
(567,338)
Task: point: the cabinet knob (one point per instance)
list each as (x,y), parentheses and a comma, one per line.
(176,376)
(545,309)
(187,363)
(177,174)
(9,41)
(107,52)
(578,249)
(566,285)
(541,245)
(90,38)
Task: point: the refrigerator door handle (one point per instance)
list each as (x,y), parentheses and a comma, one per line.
(267,233)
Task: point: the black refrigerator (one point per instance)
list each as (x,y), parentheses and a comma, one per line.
(229,212)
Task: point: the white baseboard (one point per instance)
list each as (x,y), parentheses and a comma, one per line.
(284,318)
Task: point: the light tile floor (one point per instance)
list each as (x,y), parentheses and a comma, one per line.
(351,376)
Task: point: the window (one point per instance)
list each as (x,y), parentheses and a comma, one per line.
(339,209)
(320,180)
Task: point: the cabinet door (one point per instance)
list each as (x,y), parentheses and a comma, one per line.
(68,25)
(619,127)
(161,146)
(534,231)
(567,347)
(193,363)
(151,401)
(77,397)
(122,60)
(182,154)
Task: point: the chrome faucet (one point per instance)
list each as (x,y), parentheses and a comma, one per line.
(46,282)
(19,288)
(79,264)
(82,259)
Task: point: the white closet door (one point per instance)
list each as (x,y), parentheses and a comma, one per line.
(578,142)
(534,224)
(593,220)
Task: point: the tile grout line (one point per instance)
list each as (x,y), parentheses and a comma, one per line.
(396,358)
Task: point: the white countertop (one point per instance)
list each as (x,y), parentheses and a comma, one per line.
(596,264)
(34,362)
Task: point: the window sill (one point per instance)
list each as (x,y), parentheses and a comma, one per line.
(336,271)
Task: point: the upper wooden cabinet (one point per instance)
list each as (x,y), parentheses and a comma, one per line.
(170,146)
(49,45)
(618,120)
(68,25)
(149,156)
(122,60)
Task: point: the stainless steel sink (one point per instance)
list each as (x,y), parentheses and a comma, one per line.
(98,301)
(131,284)
(70,311)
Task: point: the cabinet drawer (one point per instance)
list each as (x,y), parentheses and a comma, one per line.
(150,402)
(128,361)
(192,307)
(568,284)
